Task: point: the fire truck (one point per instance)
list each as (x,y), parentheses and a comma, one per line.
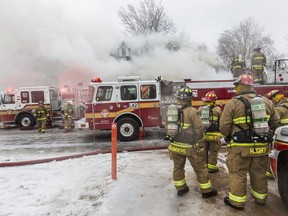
(130,102)
(18,106)
(224,89)
(279,161)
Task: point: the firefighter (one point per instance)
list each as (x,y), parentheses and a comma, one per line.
(281,105)
(185,145)
(248,153)
(41,114)
(258,62)
(212,135)
(238,66)
(68,112)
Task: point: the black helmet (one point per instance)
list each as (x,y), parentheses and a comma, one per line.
(185,93)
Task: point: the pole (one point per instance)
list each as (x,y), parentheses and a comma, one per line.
(114,150)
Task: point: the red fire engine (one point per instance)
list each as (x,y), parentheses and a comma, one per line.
(18,106)
(224,89)
(130,102)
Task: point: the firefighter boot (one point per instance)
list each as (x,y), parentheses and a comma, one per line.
(182,192)
(227,202)
(212,193)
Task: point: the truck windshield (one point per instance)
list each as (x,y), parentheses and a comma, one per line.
(8,99)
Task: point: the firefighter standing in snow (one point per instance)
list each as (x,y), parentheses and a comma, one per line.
(68,112)
(248,151)
(258,62)
(212,135)
(184,145)
(41,114)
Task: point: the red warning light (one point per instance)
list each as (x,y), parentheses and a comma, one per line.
(63,90)
(97,79)
(9,90)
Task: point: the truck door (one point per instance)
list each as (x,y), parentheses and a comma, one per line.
(104,106)
(150,104)
(7,107)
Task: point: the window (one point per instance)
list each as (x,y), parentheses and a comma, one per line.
(104,93)
(54,94)
(123,52)
(128,92)
(148,91)
(9,99)
(36,96)
(24,97)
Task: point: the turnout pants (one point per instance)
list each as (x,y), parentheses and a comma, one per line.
(212,148)
(238,167)
(257,75)
(41,125)
(196,157)
(68,123)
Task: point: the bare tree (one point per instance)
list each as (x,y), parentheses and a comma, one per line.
(149,17)
(242,39)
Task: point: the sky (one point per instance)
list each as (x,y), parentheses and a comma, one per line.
(65,42)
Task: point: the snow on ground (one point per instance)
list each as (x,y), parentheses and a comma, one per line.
(84,187)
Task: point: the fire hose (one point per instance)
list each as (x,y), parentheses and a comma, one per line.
(46,160)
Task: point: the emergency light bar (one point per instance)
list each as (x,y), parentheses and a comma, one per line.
(97,79)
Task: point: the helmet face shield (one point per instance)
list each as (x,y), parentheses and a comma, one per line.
(236,81)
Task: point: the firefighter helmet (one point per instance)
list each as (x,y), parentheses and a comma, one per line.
(272,93)
(185,93)
(210,96)
(245,79)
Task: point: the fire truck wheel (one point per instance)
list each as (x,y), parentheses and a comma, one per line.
(26,121)
(128,129)
(282,184)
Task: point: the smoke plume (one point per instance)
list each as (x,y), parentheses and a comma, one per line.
(63,42)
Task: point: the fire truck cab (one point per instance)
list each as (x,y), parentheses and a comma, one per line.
(279,161)
(129,102)
(18,106)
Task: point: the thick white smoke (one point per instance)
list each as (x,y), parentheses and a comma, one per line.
(66,42)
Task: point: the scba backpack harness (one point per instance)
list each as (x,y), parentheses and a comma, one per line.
(208,123)
(256,119)
(176,130)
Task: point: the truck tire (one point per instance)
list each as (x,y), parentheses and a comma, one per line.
(282,184)
(128,129)
(26,121)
